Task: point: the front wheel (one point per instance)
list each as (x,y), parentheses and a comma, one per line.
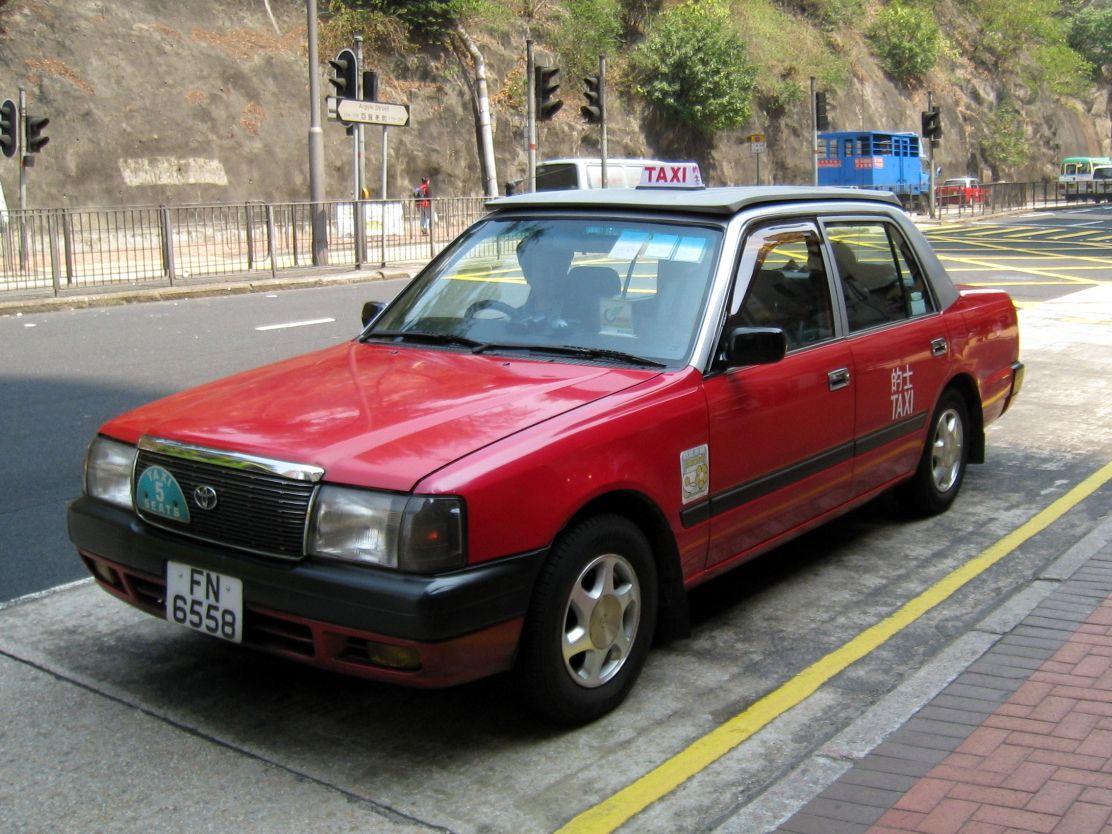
(941,469)
(591,622)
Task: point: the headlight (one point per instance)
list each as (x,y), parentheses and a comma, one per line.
(419,533)
(108,466)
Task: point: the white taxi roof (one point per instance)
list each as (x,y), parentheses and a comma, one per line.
(724,201)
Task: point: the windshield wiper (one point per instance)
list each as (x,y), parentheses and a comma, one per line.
(578,351)
(428,337)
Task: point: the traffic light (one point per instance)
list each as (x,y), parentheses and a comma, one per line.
(9,124)
(346,80)
(370,85)
(594,110)
(932,124)
(546,84)
(822,120)
(35,139)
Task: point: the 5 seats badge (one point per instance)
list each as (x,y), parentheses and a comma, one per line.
(204,497)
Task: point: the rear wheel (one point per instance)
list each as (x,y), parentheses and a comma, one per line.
(941,469)
(591,622)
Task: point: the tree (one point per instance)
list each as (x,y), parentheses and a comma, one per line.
(906,39)
(1004,144)
(1091,35)
(693,67)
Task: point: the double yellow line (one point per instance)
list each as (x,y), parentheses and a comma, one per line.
(622,806)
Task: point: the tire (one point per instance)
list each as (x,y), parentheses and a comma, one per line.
(941,469)
(591,622)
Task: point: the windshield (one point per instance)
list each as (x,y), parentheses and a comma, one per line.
(633,287)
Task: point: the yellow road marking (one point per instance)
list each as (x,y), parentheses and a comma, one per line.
(1027,270)
(1015,283)
(994,247)
(615,811)
(1076,234)
(969,240)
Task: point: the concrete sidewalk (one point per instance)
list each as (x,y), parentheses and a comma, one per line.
(1009,730)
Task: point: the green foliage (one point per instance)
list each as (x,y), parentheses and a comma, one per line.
(423,18)
(1062,68)
(1005,144)
(589,28)
(833,14)
(786,49)
(906,39)
(381,32)
(780,96)
(692,67)
(1090,34)
(1035,32)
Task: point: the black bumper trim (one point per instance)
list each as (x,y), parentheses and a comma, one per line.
(406,606)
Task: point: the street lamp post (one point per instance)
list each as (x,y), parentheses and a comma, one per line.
(316,146)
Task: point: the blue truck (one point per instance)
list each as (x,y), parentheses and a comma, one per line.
(876,159)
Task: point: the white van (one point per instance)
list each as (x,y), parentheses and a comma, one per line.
(565,174)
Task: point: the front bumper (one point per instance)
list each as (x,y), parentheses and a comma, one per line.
(463,625)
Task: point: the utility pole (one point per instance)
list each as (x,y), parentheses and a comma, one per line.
(602,103)
(20,150)
(21,155)
(359,219)
(814,137)
(316,146)
(931,207)
(530,115)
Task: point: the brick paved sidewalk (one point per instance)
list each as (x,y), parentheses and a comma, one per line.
(1019,742)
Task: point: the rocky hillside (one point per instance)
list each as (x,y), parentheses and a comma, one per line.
(157,101)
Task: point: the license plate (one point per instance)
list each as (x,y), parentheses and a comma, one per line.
(204,601)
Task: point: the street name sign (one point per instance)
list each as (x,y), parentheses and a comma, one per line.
(353,111)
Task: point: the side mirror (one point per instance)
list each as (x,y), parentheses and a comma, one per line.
(371,311)
(754,346)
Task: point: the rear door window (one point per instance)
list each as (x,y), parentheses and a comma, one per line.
(880,278)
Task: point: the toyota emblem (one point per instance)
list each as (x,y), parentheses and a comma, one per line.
(204,497)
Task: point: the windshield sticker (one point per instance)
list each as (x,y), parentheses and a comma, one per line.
(616,315)
(695,473)
(661,247)
(690,249)
(157,492)
(629,243)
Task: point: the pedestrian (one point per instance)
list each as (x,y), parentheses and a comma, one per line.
(423,192)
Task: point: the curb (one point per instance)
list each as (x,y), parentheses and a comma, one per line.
(134,295)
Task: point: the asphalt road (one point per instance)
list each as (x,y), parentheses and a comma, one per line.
(208,725)
(1035,256)
(62,374)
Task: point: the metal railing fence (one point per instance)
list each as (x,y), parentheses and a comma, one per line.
(996,197)
(61,250)
(70,250)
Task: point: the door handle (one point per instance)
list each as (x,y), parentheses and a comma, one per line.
(939,347)
(838,378)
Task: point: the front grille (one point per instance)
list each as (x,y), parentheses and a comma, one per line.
(254,511)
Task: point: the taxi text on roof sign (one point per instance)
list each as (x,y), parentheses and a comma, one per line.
(675,175)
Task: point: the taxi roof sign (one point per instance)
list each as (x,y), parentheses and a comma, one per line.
(672,175)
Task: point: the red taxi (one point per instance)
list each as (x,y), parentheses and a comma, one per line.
(588,404)
(961,191)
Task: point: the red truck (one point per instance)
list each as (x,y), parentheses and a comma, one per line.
(588,404)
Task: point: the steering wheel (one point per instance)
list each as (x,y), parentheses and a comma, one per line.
(508,310)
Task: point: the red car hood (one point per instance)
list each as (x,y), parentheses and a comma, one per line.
(370,414)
